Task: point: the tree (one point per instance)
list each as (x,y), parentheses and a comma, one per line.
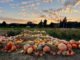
(4,24)
(40,24)
(45,23)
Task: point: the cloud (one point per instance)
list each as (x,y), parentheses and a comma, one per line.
(31,5)
(70,2)
(43,16)
(5,1)
(52,14)
(12,20)
(47,1)
(14,5)
(26,2)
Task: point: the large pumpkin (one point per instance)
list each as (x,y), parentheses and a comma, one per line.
(62,47)
(46,49)
(30,50)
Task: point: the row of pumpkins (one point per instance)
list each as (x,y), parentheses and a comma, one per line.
(39,46)
(53,47)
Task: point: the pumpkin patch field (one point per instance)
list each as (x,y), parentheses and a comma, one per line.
(38,45)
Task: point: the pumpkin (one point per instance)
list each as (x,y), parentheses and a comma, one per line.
(62,47)
(69,47)
(26,46)
(72,41)
(30,50)
(51,52)
(72,53)
(74,46)
(64,41)
(13,48)
(36,53)
(67,54)
(54,54)
(79,46)
(35,47)
(9,45)
(46,49)
(79,41)
(64,53)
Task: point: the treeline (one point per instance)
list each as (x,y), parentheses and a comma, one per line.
(41,24)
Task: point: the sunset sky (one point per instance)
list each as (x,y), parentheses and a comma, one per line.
(21,11)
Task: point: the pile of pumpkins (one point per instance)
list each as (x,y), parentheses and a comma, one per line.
(10,45)
(53,47)
(38,46)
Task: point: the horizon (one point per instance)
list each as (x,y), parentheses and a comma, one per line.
(22,11)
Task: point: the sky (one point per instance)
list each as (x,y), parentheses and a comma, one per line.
(21,11)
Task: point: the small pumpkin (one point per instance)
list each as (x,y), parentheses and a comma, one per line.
(9,45)
(72,53)
(26,46)
(67,54)
(69,47)
(46,49)
(74,46)
(72,41)
(35,47)
(30,50)
(13,48)
(36,53)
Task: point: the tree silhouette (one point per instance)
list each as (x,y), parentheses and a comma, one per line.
(40,24)
(3,24)
(45,23)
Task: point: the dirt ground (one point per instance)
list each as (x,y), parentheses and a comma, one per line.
(15,56)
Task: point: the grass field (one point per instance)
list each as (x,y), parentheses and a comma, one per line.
(55,32)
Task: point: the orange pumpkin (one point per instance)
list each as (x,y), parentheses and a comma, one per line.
(13,48)
(74,46)
(72,42)
(62,47)
(64,41)
(30,50)
(69,47)
(34,47)
(46,49)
